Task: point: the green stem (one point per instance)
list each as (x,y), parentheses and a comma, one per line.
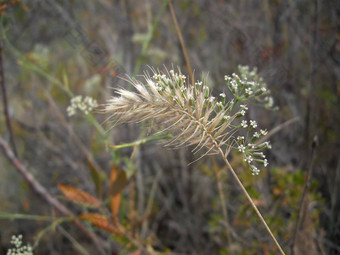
(141,141)
(146,44)
(12,216)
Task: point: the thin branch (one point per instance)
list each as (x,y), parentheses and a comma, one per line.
(304,192)
(5,102)
(180,37)
(277,129)
(42,192)
(223,204)
(250,200)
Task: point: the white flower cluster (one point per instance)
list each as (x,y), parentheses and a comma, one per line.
(19,249)
(85,105)
(244,87)
(249,85)
(252,152)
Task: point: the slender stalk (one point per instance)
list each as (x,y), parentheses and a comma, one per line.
(146,44)
(302,201)
(250,199)
(277,129)
(42,191)
(180,37)
(141,141)
(11,216)
(223,204)
(5,102)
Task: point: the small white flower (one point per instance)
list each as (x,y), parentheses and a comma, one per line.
(248,159)
(241,148)
(85,105)
(253,123)
(259,154)
(263,132)
(233,85)
(211,99)
(249,91)
(71,110)
(76,100)
(265,162)
(223,95)
(270,101)
(244,124)
(255,170)
(242,112)
(251,145)
(239,138)
(226,117)
(198,83)
(244,107)
(268,145)
(256,135)
(19,249)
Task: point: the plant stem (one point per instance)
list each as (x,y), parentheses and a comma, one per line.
(180,37)
(304,192)
(250,200)
(141,141)
(223,204)
(5,102)
(51,200)
(151,30)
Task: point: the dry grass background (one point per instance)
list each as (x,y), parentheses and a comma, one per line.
(87,45)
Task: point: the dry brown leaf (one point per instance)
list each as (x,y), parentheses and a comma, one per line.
(115,204)
(78,195)
(100,221)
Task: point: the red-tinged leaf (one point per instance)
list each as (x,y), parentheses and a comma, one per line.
(118,181)
(3,6)
(113,175)
(100,221)
(97,177)
(78,195)
(115,204)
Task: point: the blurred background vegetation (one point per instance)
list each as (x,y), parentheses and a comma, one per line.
(54,50)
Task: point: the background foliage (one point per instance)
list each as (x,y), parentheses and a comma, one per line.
(54,50)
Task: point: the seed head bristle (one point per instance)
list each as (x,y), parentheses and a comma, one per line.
(189,112)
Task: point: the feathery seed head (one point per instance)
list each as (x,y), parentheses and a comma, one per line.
(192,114)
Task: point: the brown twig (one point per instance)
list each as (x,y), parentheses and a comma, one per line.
(42,191)
(276,129)
(304,192)
(245,192)
(5,102)
(180,37)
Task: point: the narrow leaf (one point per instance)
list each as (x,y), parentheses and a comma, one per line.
(118,181)
(115,204)
(78,195)
(100,221)
(97,177)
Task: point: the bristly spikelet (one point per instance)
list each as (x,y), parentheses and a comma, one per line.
(192,114)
